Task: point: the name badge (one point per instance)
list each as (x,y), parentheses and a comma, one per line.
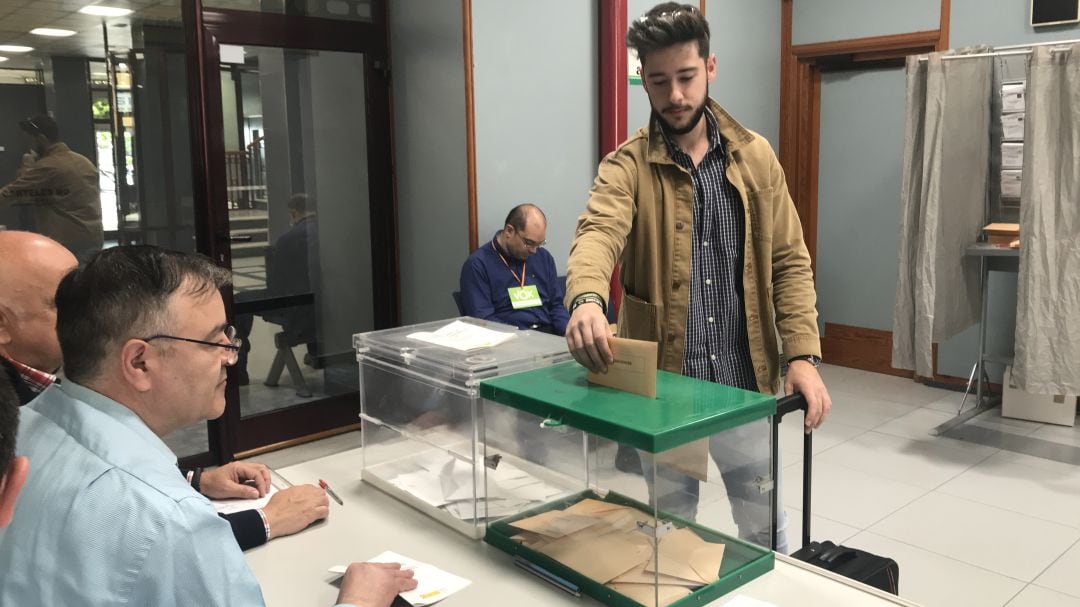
(524,297)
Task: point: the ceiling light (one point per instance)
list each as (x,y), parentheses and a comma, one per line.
(51,31)
(11,48)
(3,58)
(105,11)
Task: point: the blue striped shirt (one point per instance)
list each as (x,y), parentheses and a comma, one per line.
(717,346)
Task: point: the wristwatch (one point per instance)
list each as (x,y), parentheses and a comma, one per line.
(810,358)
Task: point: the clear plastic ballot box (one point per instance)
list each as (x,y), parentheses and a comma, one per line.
(665,501)
(423,429)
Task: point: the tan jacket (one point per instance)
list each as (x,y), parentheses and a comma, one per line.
(62,187)
(641,212)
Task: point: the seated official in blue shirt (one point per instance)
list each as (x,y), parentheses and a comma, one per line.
(512,279)
(104,518)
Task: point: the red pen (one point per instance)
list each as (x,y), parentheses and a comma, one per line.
(330,492)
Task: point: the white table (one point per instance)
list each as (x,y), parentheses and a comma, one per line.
(293,570)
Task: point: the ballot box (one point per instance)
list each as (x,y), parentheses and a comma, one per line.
(668,500)
(422,430)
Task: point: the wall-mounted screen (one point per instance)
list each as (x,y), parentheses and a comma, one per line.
(1053,12)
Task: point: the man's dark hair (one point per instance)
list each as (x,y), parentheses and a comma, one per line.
(299,203)
(9,422)
(520,214)
(41,124)
(666,25)
(123,293)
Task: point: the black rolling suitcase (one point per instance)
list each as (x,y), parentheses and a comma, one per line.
(870,569)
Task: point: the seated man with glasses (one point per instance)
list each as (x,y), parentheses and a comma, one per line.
(30,356)
(513,280)
(105,519)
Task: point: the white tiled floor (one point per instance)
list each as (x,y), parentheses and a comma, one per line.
(968,524)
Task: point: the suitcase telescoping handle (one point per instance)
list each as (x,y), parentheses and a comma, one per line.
(785,405)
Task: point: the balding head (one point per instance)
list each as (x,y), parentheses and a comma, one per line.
(33,266)
(525,231)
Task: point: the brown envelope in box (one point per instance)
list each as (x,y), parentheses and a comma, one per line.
(646,594)
(634,369)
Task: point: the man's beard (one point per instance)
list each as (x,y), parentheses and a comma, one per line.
(671,129)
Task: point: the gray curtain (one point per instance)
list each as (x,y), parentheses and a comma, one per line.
(943,198)
(1048,302)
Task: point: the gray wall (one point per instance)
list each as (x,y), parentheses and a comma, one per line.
(858,227)
(749,86)
(429,141)
(825,20)
(872,193)
(1008,23)
(536,76)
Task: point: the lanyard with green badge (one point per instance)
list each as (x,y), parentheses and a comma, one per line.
(523,296)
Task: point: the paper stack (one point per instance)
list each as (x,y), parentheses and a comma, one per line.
(447,483)
(602,541)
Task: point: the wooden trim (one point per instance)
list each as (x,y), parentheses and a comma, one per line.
(613,98)
(613,84)
(943,25)
(859,348)
(701,7)
(296,421)
(295,31)
(310,438)
(470,122)
(914,42)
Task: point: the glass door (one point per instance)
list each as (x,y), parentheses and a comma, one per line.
(301,210)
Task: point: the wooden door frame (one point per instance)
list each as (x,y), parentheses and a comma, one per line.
(233,434)
(801,67)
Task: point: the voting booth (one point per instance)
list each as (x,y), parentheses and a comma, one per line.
(693,523)
(423,431)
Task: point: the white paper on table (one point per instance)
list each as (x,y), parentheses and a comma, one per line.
(742,600)
(463,336)
(234,505)
(432,584)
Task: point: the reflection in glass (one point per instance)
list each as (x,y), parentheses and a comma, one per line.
(296,179)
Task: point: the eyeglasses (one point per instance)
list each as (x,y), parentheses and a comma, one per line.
(532,244)
(230,333)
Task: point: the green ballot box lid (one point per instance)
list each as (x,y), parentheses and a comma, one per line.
(684,410)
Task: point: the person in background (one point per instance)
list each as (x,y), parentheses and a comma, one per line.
(512,279)
(30,357)
(713,263)
(59,187)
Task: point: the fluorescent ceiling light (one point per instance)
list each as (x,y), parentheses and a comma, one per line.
(10,48)
(3,58)
(51,31)
(105,11)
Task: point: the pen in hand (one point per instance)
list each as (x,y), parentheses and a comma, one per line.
(330,492)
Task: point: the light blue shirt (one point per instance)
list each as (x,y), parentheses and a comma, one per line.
(106,518)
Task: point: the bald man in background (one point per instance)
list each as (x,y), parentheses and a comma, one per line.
(30,357)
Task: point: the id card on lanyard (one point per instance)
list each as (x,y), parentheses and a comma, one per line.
(522,296)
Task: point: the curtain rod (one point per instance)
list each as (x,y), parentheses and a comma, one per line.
(1005,53)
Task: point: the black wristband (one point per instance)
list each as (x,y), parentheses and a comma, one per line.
(589,297)
(195,476)
(810,358)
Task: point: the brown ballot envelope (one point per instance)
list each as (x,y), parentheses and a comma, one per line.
(634,369)
(646,595)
